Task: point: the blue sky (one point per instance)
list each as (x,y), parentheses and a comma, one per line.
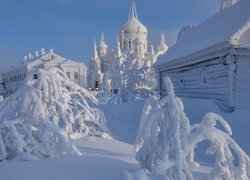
(70,26)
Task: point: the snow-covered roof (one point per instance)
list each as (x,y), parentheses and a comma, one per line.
(50,59)
(227,26)
(47,59)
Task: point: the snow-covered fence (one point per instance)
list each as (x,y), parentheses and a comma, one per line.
(42,117)
(166,141)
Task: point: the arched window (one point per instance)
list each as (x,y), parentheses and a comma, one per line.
(130,45)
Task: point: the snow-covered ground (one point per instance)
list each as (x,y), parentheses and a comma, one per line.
(112,159)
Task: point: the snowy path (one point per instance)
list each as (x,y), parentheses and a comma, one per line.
(102,159)
(105,159)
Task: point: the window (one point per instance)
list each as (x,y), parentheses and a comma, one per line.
(34,76)
(76,75)
(124,44)
(96,85)
(68,74)
(130,44)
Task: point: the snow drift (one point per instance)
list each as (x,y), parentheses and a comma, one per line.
(42,117)
(166,142)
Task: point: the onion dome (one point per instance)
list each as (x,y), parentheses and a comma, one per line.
(134,26)
(102,45)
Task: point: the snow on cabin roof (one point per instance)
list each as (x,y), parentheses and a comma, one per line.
(227,26)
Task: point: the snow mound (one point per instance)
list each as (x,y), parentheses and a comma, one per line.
(166,142)
(45,114)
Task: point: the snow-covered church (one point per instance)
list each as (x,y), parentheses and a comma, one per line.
(212,60)
(131,42)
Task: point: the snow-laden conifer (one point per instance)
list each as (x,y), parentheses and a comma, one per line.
(42,117)
(163,126)
(132,79)
(166,142)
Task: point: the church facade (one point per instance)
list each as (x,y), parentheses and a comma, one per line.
(132,42)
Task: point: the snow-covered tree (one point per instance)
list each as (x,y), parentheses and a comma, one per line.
(222,146)
(132,79)
(163,126)
(166,142)
(226,3)
(42,117)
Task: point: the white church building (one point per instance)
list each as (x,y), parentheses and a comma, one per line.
(132,41)
(212,60)
(14,78)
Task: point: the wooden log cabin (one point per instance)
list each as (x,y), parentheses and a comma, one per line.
(212,60)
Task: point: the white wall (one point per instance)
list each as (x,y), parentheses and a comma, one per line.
(14,78)
(82,74)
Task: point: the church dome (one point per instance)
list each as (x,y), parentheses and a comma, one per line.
(134,26)
(102,45)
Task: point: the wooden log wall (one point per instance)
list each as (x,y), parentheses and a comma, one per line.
(209,79)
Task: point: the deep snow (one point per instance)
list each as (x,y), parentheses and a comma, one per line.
(109,159)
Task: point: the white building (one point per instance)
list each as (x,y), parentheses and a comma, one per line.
(212,60)
(132,41)
(15,77)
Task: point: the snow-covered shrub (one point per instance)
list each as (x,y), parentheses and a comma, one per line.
(42,117)
(1,98)
(166,142)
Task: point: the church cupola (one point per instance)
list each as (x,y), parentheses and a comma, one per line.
(132,30)
(102,46)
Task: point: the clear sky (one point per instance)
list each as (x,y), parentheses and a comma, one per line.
(70,26)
